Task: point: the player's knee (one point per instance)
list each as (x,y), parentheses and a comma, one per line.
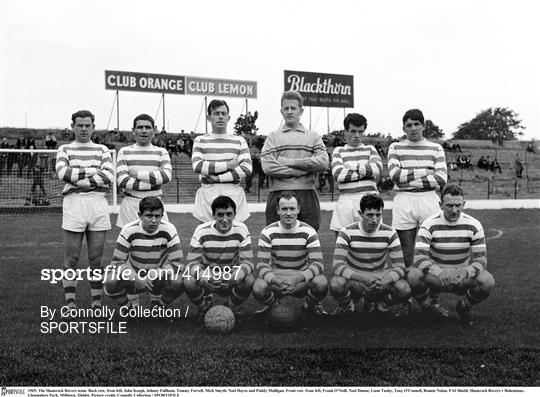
(415,278)
(175,284)
(71,260)
(247,282)
(112,286)
(319,285)
(260,288)
(402,289)
(486,281)
(338,285)
(190,284)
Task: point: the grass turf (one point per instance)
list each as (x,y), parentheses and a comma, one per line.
(500,350)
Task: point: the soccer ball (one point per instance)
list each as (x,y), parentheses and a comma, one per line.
(284,316)
(219,320)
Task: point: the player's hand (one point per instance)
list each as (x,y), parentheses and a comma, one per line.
(232,164)
(279,282)
(142,283)
(459,276)
(83,183)
(89,171)
(446,277)
(211,179)
(290,284)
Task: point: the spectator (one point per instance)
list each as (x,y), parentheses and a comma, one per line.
(482,163)
(519,166)
(257,169)
(50,140)
(495,165)
(3,155)
(530,147)
(171,147)
(379,149)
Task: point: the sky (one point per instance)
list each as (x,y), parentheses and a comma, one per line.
(452,59)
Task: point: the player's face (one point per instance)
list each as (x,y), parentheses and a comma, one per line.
(150,220)
(224,219)
(371,219)
(288,212)
(355,134)
(452,207)
(143,132)
(219,119)
(291,112)
(414,130)
(83,127)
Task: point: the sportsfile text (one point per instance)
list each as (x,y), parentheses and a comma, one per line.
(125,273)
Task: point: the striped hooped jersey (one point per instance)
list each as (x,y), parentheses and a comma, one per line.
(441,244)
(209,247)
(85,167)
(298,249)
(356,169)
(143,250)
(358,251)
(211,153)
(417,166)
(152,166)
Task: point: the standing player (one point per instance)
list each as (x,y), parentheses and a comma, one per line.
(291,157)
(450,256)
(223,161)
(220,259)
(360,262)
(141,170)
(356,167)
(290,260)
(418,168)
(148,250)
(87,169)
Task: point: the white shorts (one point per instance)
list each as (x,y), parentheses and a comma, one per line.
(206,194)
(129,211)
(85,211)
(346,212)
(411,209)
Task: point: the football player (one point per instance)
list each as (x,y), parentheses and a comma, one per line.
(418,168)
(289,260)
(356,167)
(450,256)
(87,170)
(148,252)
(220,259)
(360,263)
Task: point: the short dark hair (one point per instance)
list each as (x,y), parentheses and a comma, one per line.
(413,114)
(150,203)
(223,202)
(215,103)
(287,195)
(355,119)
(371,201)
(293,95)
(143,117)
(452,189)
(82,114)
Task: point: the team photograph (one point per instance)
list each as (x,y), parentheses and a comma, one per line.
(270,229)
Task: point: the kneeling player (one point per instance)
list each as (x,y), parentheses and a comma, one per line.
(148,254)
(450,256)
(220,259)
(290,260)
(360,262)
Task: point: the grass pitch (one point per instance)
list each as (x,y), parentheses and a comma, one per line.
(502,349)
